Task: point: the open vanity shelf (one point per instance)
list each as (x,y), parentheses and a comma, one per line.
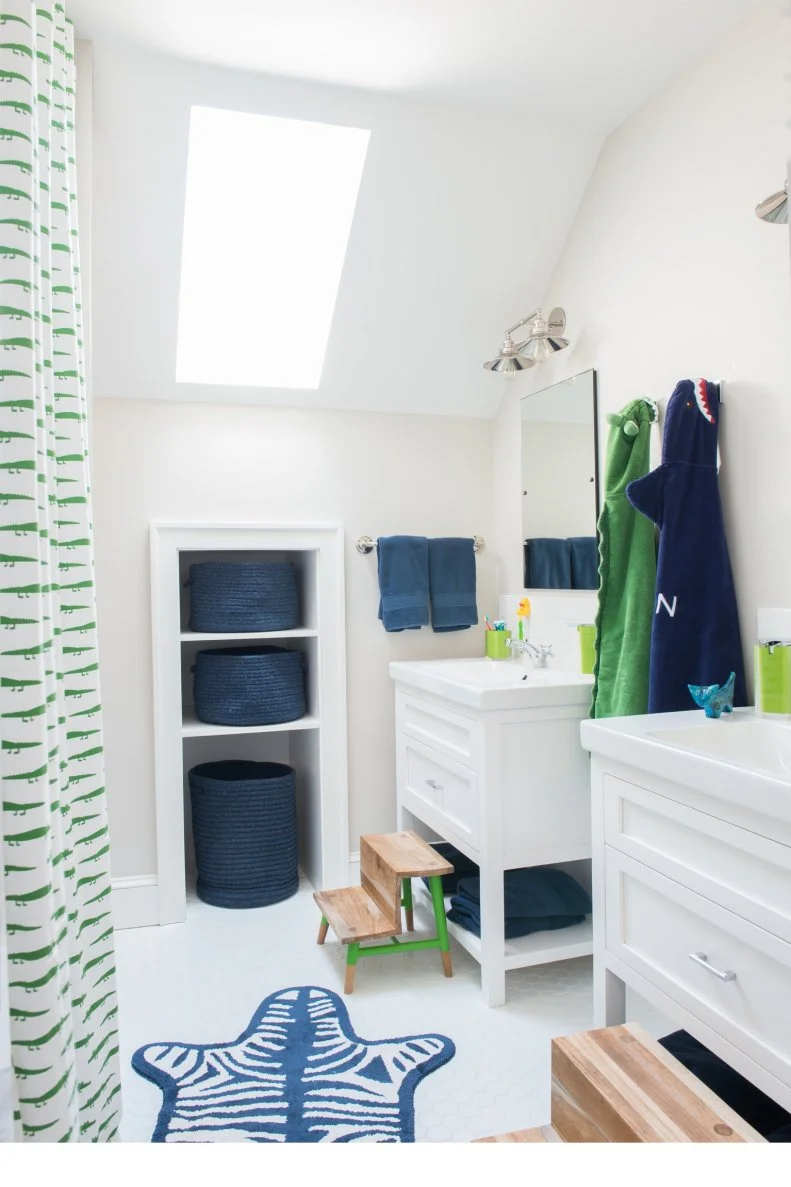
(542,947)
(314,745)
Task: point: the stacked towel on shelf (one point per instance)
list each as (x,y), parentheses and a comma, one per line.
(451,570)
(541,898)
(403,582)
(463,866)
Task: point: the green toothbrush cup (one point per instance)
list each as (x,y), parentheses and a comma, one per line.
(497,644)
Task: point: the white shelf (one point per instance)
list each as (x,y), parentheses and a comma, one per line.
(209,636)
(192,728)
(542,947)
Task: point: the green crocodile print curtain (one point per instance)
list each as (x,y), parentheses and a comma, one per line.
(56,873)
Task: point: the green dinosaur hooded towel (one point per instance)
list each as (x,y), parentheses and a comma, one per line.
(627,571)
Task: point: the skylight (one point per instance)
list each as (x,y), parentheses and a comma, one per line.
(269,209)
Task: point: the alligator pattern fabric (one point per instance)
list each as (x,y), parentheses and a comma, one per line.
(695,637)
(627,572)
(55,848)
(298,1073)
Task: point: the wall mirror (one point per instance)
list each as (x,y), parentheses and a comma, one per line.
(560,485)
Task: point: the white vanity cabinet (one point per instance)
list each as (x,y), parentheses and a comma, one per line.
(507,785)
(692,893)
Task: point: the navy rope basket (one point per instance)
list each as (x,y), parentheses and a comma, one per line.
(244,821)
(249,685)
(225,596)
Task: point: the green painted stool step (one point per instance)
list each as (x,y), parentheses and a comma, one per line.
(372,911)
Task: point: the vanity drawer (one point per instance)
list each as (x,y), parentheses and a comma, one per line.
(654,926)
(440,728)
(448,790)
(742,871)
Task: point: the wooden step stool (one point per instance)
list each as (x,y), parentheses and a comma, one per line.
(619,1085)
(372,911)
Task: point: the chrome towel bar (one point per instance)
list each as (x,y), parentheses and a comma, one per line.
(366,545)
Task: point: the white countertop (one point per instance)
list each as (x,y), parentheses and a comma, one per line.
(494,684)
(739,757)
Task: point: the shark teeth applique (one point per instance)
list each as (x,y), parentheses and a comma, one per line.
(702,400)
(299,1073)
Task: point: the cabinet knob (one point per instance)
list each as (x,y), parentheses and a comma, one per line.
(433,783)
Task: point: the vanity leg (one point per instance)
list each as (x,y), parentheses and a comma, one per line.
(492,937)
(609,997)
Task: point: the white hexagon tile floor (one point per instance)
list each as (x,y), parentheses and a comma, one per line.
(201,981)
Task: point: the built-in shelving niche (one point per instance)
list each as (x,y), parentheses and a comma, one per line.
(315,745)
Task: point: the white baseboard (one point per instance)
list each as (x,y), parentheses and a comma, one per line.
(135,902)
(354,869)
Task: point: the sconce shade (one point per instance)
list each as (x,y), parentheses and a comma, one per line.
(506,363)
(538,350)
(774,209)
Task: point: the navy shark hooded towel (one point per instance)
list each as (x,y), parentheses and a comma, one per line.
(695,636)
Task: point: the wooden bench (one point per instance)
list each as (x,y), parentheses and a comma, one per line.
(372,910)
(619,1085)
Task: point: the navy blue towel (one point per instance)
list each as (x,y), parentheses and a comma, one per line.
(753,1106)
(540,898)
(584,562)
(695,636)
(547,563)
(463,866)
(403,582)
(451,567)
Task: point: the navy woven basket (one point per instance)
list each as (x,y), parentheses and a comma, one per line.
(244,821)
(249,685)
(225,596)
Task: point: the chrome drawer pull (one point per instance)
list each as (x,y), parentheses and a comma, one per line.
(702,959)
(433,783)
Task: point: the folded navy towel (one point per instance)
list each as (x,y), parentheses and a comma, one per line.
(468,915)
(463,866)
(540,898)
(584,562)
(547,563)
(537,890)
(403,582)
(451,567)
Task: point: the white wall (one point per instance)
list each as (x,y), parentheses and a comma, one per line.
(375,474)
(458,225)
(668,274)
(442,202)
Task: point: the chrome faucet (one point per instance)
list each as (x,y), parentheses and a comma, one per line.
(538,652)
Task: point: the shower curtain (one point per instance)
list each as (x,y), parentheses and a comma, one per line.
(55,847)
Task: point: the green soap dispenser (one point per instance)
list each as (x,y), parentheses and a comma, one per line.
(773,677)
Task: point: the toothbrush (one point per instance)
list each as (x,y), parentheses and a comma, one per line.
(487,624)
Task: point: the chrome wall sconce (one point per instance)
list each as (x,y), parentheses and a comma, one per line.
(774,209)
(544,339)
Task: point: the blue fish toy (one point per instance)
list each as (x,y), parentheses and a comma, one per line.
(714,699)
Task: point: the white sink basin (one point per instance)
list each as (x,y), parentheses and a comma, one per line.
(494,684)
(738,757)
(753,743)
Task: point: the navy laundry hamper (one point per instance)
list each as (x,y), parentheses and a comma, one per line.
(245,686)
(244,823)
(246,596)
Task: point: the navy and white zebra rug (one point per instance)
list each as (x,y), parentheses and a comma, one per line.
(299,1073)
